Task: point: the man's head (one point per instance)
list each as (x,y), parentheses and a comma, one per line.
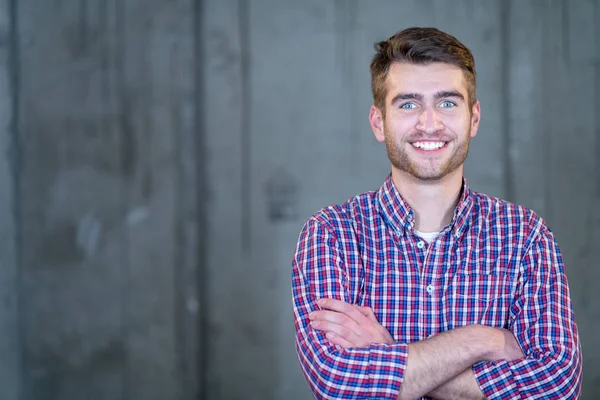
(420,46)
(425,109)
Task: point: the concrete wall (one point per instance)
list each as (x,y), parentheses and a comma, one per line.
(107,198)
(158,160)
(10,317)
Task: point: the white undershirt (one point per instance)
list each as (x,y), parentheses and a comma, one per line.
(427,236)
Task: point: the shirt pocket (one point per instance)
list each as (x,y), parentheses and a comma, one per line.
(478,299)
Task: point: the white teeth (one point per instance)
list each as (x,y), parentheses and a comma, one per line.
(428,145)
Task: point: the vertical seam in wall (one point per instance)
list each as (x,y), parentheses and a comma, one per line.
(246,97)
(202,202)
(185,284)
(344,11)
(546,144)
(15,156)
(565,43)
(597,98)
(124,256)
(505,10)
(339,36)
(356,118)
(180,244)
(339,22)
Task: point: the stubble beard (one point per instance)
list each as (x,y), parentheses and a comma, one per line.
(431,169)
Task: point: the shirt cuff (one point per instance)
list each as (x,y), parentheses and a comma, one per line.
(496,380)
(387,364)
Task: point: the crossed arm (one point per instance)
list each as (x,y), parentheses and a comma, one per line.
(439,366)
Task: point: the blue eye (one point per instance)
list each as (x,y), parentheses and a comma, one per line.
(408,106)
(447,104)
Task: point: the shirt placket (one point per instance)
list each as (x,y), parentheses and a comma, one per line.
(430,287)
(420,249)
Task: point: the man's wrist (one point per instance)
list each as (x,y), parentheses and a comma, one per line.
(487,343)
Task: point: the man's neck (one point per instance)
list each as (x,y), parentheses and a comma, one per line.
(433,202)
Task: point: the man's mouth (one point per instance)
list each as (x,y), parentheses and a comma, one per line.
(428,146)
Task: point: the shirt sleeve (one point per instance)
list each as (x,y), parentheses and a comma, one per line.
(332,372)
(542,320)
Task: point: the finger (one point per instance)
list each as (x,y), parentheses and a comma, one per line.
(361,310)
(340,341)
(377,332)
(337,318)
(332,316)
(367,312)
(339,330)
(348,309)
(359,335)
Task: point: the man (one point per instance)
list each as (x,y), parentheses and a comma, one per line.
(425,288)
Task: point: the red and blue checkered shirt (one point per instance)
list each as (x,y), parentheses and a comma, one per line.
(496,264)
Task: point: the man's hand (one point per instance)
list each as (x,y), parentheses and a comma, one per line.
(512,351)
(348,325)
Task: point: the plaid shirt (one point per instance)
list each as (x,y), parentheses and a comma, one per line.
(496,264)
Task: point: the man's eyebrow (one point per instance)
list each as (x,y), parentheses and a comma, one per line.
(449,93)
(407,96)
(418,96)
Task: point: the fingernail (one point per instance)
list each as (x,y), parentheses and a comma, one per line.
(330,334)
(321,302)
(311,315)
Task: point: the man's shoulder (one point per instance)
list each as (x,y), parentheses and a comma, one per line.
(349,212)
(508,214)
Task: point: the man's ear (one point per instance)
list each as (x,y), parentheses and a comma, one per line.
(475,118)
(377,123)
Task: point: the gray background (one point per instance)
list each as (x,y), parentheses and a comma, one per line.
(158,159)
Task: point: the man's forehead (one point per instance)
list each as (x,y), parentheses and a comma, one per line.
(426,79)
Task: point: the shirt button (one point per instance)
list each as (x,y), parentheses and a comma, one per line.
(421,245)
(429,289)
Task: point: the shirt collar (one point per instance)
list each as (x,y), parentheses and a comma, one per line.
(400,216)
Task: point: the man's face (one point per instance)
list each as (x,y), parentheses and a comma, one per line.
(428,124)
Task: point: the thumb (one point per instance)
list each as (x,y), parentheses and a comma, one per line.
(367,312)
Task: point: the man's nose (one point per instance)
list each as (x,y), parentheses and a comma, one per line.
(430,121)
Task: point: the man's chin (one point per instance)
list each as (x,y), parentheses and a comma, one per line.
(423,174)
(429,178)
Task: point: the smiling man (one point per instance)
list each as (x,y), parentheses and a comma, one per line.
(425,288)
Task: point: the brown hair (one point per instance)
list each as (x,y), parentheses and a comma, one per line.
(420,46)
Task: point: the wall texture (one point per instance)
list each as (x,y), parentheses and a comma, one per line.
(107,199)
(158,159)
(10,318)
